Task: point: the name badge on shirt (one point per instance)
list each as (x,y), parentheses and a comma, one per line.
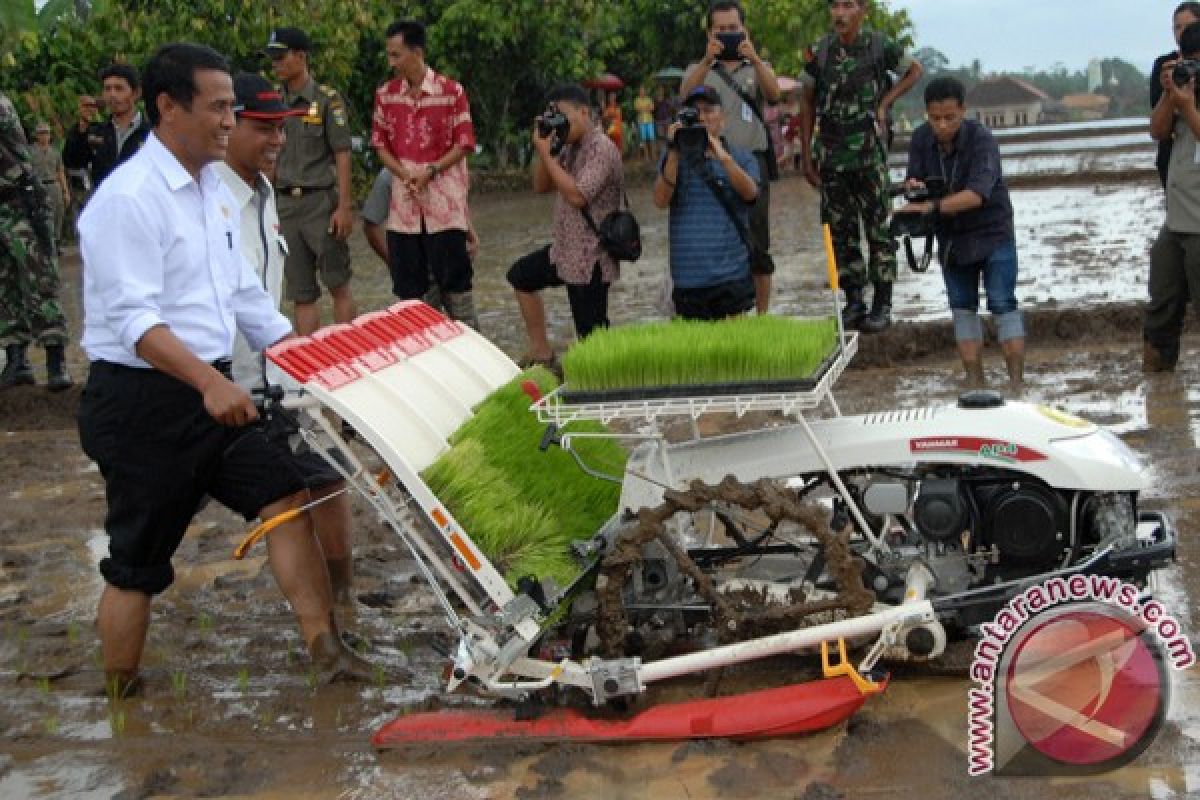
(747,113)
(1196,155)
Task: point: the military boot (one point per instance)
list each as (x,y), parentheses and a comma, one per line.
(880,318)
(855,310)
(57,377)
(17,370)
(461,306)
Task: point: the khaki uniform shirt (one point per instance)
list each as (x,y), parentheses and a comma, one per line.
(742,128)
(46,163)
(307,160)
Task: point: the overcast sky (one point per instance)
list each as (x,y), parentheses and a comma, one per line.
(1014,34)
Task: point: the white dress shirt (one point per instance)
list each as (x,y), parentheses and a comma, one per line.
(265,249)
(160,248)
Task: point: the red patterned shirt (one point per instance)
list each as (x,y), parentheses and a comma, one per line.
(417,132)
(596,166)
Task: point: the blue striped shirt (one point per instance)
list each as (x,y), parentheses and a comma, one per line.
(706,249)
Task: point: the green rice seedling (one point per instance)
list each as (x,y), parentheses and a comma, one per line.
(310,679)
(72,632)
(179,683)
(521,506)
(51,724)
(204,622)
(116,721)
(243,680)
(44,685)
(681,352)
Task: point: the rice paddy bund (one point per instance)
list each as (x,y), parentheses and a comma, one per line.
(521,506)
(681,352)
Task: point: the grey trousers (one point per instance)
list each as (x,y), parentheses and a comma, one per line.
(1174,279)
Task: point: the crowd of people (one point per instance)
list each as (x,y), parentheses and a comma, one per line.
(227,195)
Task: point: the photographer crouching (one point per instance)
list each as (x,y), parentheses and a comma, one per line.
(710,189)
(973,224)
(575,159)
(1175,256)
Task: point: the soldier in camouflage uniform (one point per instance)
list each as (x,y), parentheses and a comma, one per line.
(848,91)
(29,305)
(312,185)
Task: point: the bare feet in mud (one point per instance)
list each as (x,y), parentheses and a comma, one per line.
(334,662)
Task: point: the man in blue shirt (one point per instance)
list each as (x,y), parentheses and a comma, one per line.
(973,223)
(710,189)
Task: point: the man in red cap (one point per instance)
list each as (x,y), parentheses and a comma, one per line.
(254,147)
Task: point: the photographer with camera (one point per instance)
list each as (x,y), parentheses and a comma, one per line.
(579,162)
(1175,256)
(745,83)
(973,223)
(1160,75)
(710,188)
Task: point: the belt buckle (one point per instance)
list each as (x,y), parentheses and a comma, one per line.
(296,191)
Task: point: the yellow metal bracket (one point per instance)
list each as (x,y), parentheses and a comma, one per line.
(844,667)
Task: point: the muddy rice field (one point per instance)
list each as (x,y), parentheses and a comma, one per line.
(230,708)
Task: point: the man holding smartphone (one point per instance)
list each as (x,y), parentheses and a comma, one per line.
(745,84)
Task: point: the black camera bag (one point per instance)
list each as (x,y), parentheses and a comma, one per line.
(619,232)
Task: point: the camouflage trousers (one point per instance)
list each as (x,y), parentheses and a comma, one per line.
(29,282)
(854,202)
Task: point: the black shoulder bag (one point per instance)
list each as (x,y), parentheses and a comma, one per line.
(619,233)
(769,155)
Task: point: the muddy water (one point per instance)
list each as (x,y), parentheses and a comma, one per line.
(230,709)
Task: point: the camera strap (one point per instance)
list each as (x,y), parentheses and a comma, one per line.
(921,264)
(719,69)
(706,174)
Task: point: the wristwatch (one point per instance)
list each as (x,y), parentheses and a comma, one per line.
(434,169)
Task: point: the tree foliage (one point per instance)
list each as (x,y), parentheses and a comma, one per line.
(507,53)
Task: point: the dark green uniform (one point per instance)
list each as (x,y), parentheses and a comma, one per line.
(850,81)
(29,307)
(306,188)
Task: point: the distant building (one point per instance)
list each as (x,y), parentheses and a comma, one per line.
(1009,103)
(1086,106)
(1095,75)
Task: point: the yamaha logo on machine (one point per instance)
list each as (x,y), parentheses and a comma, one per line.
(1071,684)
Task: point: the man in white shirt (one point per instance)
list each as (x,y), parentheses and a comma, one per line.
(254,147)
(165,290)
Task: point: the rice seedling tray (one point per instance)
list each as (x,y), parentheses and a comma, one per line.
(679,391)
(649,403)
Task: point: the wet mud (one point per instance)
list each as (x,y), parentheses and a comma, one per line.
(230,708)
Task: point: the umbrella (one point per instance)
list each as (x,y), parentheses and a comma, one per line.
(787,84)
(669,74)
(608,82)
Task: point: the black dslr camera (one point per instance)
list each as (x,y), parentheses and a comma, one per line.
(692,136)
(554,122)
(1185,71)
(917,225)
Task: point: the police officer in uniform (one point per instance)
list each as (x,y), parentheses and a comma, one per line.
(848,90)
(29,306)
(312,183)
(48,167)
